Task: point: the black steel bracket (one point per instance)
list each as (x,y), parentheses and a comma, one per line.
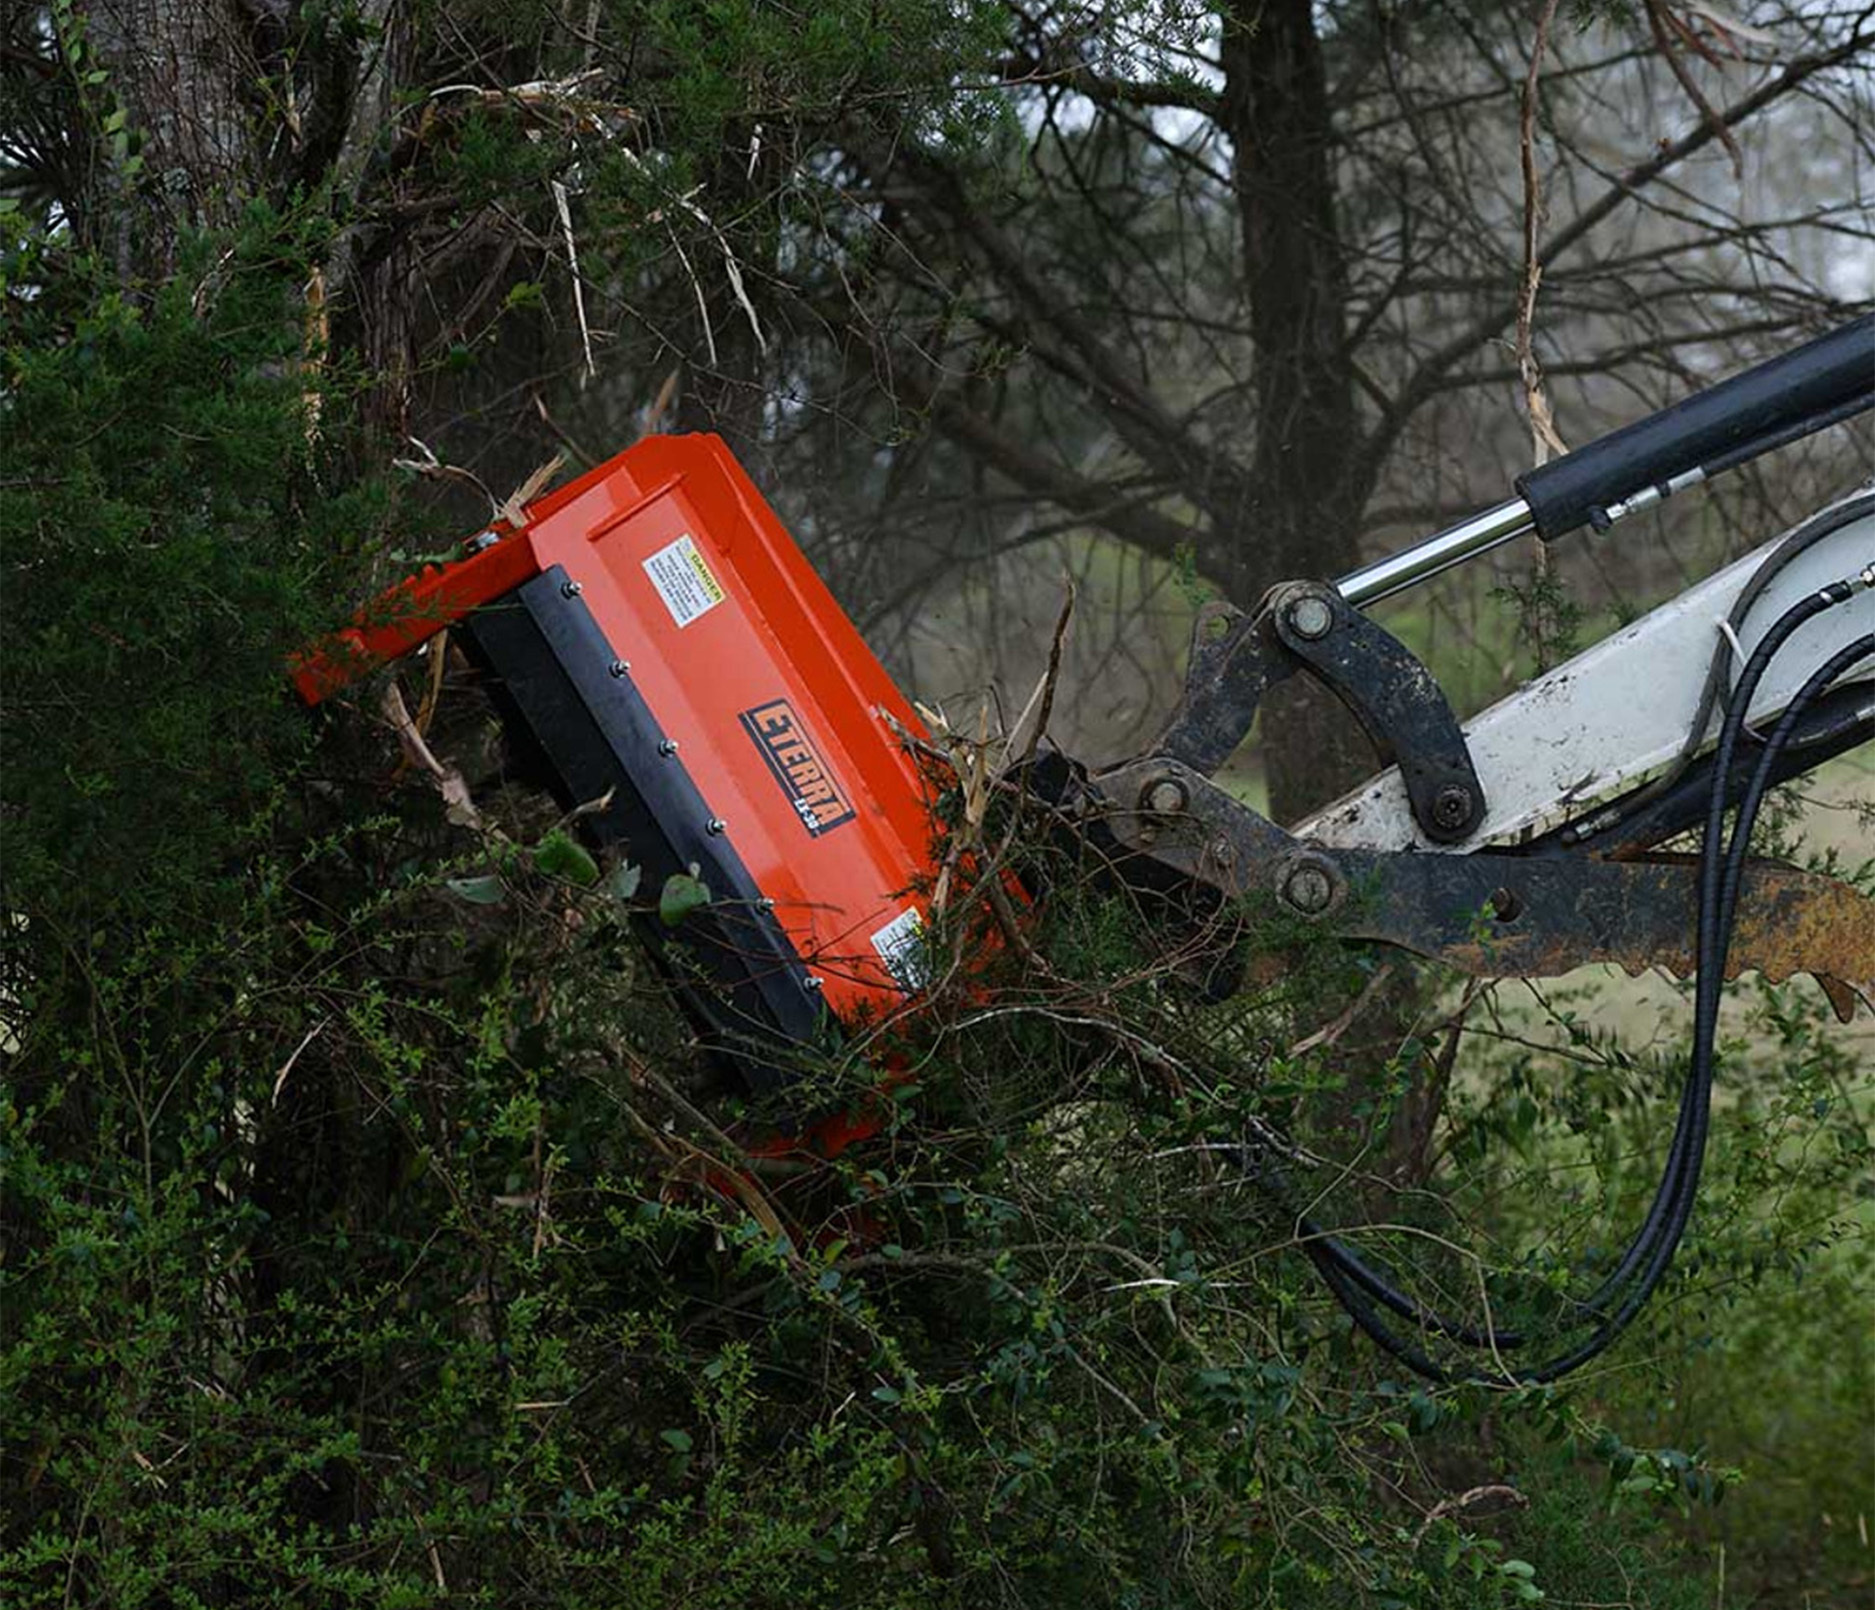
(1393,696)
(1308,626)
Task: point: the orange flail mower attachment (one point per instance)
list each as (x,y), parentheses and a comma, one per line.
(660,636)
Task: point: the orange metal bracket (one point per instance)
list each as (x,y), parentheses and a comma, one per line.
(412,612)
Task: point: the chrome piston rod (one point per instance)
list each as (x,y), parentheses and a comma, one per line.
(1453,546)
(1819,384)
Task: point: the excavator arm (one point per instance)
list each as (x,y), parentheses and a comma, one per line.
(656,635)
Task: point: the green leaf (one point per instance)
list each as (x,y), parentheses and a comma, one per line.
(484,891)
(887,1394)
(559,856)
(623,881)
(682,894)
(679,1440)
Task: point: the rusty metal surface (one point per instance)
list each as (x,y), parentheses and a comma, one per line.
(1635,914)
(1493,915)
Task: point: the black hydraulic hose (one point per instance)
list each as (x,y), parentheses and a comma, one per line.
(1673,1200)
(1362,1313)
(1719,879)
(1650,1253)
(1673,1204)
(1328,1251)
(1764,774)
(1800,541)
(1641,1248)
(1804,610)
(1714,695)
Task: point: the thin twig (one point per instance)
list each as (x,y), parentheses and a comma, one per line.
(1465,1500)
(286,1067)
(1543,438)
(1660,19)
(1329,1033)
(572,264)
(449,782)
(1044,694)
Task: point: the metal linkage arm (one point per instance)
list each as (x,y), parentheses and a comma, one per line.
(1309,627)
(1492,915)
(1495,902)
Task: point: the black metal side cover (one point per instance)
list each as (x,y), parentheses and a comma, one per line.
(752,1001)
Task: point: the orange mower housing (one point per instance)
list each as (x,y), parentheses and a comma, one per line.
(670,651)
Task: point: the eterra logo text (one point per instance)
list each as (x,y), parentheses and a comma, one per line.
(798,766)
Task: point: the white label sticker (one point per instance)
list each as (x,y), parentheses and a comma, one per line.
(900,944)
(683,580)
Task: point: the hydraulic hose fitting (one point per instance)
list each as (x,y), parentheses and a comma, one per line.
(1840,592)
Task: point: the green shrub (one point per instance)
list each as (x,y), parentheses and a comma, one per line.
(360,1241)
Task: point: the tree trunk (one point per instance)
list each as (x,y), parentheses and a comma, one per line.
(1305,493)
(177,69)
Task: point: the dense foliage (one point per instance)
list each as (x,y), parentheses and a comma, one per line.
(358,1248)
(372,1233)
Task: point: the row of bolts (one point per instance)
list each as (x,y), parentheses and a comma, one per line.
(667,747)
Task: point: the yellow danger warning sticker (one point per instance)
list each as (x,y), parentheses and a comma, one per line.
(683,579)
